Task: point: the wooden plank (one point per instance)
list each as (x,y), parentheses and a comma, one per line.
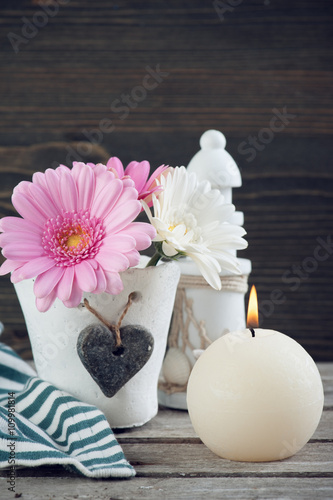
(195,460)
(191,459)
(70,488)
(176,424)
(167,424)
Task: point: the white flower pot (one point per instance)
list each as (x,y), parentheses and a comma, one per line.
(53,335)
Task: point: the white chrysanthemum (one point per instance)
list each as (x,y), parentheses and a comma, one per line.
(190,219)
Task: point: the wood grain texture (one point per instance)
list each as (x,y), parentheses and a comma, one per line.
(69,82)
(172,463)
(65,488)
(173,425)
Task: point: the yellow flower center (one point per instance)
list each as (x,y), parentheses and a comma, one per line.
(74,240)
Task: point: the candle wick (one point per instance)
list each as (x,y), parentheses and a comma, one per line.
(253,332)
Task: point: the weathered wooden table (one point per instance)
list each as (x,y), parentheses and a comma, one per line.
(172,463)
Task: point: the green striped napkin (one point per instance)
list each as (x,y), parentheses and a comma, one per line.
(42,425)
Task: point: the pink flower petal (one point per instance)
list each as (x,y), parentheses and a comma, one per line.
(139,173)
(22,188)
(142,232)
(149,192)
(25,251)
(80,164)
(101,280)
(68,191)
(133,258)
(43,201)
(36,196)
(112,261)
(147,196)
(47,281)
(103,178)
(119,242)
(53,184)
(128,182)
(19,238)
(85,181)
(129,193)
(114,283)
(32,268)
(117,165)
(65,285)
(62,170)
(121,217)
(93,264)
(107,198)
(100,169)
(16,224)
(10,265)
(155,175)
(152,186)
(27,209)
(76,296)
(85,276)
(39,179)
(43,304)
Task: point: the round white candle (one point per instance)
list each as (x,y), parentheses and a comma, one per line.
(255,398)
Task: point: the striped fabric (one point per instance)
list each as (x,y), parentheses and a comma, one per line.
(41,425)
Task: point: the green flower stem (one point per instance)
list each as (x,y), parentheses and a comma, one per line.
(154,260)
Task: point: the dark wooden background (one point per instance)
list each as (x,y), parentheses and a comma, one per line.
(226,70)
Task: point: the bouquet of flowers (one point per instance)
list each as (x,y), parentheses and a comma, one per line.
(78,230)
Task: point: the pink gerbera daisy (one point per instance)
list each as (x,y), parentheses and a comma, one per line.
(76,233)
(139,173)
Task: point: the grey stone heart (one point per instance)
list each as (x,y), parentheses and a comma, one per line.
(111,366)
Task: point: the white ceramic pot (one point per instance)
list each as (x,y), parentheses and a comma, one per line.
(54,334)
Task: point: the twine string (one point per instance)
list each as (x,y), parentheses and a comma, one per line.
(96,313)
(237,283)
(114,328)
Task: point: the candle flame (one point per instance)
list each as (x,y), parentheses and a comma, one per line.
(252,309)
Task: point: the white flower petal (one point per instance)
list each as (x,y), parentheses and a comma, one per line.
(179,231)
(208,269)
(192,218)
(168,249)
